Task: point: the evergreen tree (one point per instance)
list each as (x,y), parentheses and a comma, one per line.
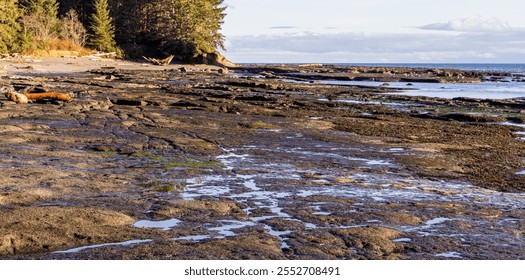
(103,31)
(9,27)
(208,36)
(188,28)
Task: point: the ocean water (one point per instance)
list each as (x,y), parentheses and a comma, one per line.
(484,90)
(494,67)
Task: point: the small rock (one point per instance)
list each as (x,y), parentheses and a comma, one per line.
(267,74)
(103,148)
(223,71)
(29,67)
(126,102)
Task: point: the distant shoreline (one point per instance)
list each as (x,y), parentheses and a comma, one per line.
(498,67)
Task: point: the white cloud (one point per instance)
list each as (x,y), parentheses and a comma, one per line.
(476,24)
(503,46)
(284,27)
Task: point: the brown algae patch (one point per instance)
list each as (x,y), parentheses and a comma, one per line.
(317,245)
(253,245)
(27,196)
(36,229)
(196,209)
(372,242)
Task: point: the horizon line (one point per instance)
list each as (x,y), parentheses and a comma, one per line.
(464,63)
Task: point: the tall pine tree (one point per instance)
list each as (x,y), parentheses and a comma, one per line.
(187,28)
(9,27)
(103,31)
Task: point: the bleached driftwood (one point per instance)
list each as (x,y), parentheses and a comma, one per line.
(103,55)
(17,97)
(162,62)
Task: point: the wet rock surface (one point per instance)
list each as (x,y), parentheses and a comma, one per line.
(169,164)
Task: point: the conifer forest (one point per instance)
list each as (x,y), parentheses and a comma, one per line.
(187,29)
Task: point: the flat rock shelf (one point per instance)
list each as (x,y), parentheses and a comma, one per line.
(261,162)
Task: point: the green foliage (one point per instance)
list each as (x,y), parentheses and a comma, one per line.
(184,28)
(46,7)
(198,22)
(40,18)
(103,31)
(9,26)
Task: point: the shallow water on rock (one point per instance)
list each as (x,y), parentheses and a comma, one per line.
(450,255)
(277,188)
(164,225)
(483,90)
(126,243)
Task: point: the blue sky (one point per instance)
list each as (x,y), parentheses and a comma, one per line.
(446,31)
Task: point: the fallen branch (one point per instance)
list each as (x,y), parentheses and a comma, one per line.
(25,98)
(49,95)
(161,62)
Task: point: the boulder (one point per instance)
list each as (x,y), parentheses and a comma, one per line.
(217,60)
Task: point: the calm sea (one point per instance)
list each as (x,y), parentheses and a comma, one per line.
(492,90)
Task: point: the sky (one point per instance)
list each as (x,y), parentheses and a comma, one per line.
(375,31)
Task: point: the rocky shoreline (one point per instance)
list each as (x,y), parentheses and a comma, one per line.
(259,162)
(309,72)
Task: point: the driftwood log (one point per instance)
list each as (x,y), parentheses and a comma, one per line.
(49,95)
(155,61)
(26,97)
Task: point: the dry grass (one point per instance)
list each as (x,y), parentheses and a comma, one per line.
(57,48)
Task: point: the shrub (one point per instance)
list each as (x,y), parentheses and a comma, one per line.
(72,29)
